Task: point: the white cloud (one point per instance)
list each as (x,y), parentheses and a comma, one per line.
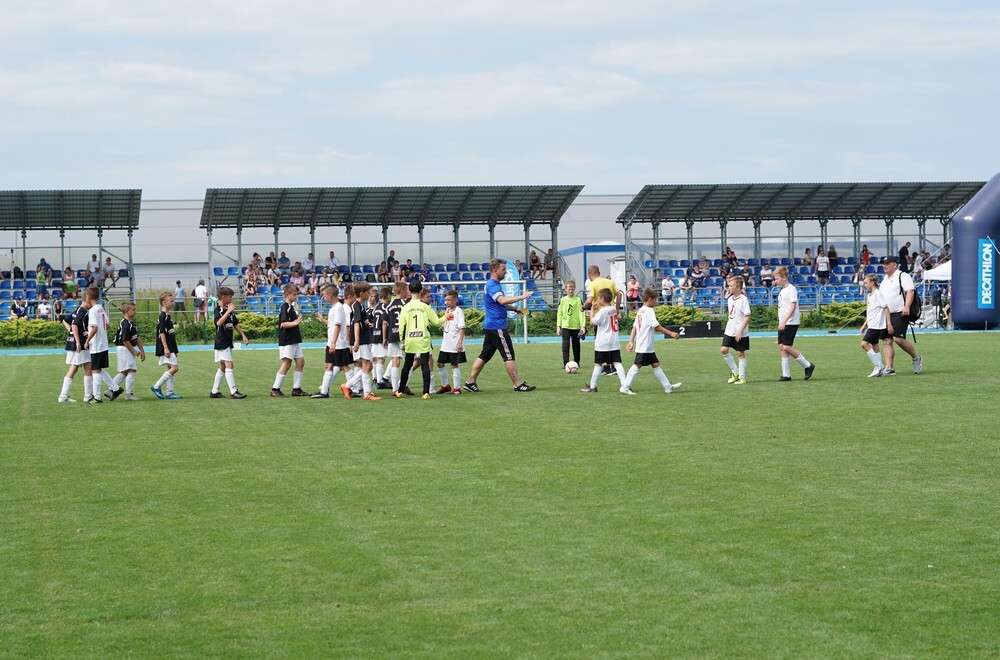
(797,94)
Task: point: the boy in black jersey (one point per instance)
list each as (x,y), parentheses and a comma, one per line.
(76,356)
(361,340)
(390,330)
(289,344)
(378,316)
(225,323)
(166,349)
(128,348)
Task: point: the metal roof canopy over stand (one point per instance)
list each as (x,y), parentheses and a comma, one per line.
(61,210)
(349,207)
(792,202)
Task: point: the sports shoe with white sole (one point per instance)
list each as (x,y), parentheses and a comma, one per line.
(132,397)
(626,390)
(888,371)
(65,399)
(918,364)
(673,387)
(733,377)
(876,373)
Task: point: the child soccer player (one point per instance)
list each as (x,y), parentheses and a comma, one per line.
(875,327)
(607,346)
(394,349)
(289,344)
(166,349)
(97,343)
(644,331)
(361,339)
(338,349)
(413,329)
(788,325)
(452,345)
(128,348)
(570,323)
(76,355)
(225,323)
(735,334)
(377,314)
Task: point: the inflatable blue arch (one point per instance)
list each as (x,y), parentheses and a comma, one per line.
(975,232)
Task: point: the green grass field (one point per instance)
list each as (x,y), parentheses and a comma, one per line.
(843,516)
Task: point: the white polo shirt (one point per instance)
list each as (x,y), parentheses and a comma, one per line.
(787,297)
(889,288)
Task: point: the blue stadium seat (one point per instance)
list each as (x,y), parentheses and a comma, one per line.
(685,263)
(475,266)
(368,268)
(649,263)
(852,261)
(123,273)
(70,305)
(455,277)
(673,263)
(664,264)
(485,266)
(233,271)
(4,294)
(480,276)
(462,267)
(218,273)
(451,268)
(786,261)
(467,277)
(356,269)
(344,269)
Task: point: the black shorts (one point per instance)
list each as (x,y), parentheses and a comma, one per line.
(899,325)
(99,360)
(607,357)
(454,359)
(742,345)
(822,274)
(497,340)
(786,337)
(873,336)
(646,359)
(179,306)
(340,357)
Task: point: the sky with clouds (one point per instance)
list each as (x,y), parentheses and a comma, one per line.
(173,97)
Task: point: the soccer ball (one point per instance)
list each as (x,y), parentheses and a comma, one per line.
(572,367)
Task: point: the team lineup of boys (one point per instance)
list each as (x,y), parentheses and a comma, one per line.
(367,340)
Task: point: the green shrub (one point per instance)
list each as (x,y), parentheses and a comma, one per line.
(36,332)
(835,315)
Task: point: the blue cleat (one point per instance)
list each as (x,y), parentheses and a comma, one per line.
(157,391)
(173,396)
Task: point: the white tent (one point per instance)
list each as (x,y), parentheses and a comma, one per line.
(940,273)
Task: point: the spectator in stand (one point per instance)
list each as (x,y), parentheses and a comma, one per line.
(308,263)
(704,263)
(747,276)
(395,270)
(904,258)
(859,279)
(667,287)
(44,309)
(250,282)
(108,272)
(918,264)
(697,276)
(945,254)
(201,302)
(865,258)
(272,276)
(299,280)
(831,254)
(93,268)
(684,289)
(729,257)
(807,259)
(391,260)
(632,290)
(521,272)
(382,275)
(336,278)
(766,275)
(551,263)
(284,264)
(57,309)
(180,304)
(257,261)
(43,278)
(536,265)
(407,270)
(822,267)
(333,263)
(298,268)
(18,310)
(69,284)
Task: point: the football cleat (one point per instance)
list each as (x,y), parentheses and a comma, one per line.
(809,371)
(733,377)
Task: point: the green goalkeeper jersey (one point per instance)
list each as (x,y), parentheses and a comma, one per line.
(413,326)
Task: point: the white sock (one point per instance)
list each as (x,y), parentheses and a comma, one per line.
(743,368)
(620,370)
(170,384)
(875,358)
(163,379)
(118,380)
(456,378)
(662,377)
(379,372)
(231,381)
(106,377)
(443,376)
(218,381)
(279,380)
(394,378)
(130,384)
(354,378)
(366,383)
(598,369)
(728,357)
(327,379)
(88,387)
(67,383)
(802,360)
(297,380)
(633,371)
(786,366)
(96,386)
(433,387)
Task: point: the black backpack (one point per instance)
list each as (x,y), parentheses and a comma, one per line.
(915,306)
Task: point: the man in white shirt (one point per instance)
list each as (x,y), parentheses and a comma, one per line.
(308,263)
(667,287)
(93,267)
(333,263)
(897,289)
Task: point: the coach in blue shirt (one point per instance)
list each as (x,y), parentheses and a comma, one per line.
(495,335)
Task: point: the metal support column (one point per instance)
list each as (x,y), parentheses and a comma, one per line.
(312,244)
(822,232)
(276,251)
(889,238)
(527,246)
(656,245)
(420,244)
(555,251)
(24,256)
(211,269)
(921,233)
(758,244)
(723,235)
(100,248)
(629,256)
(62,249)
(690,239)
(856,223)
(493,240)
(791,239)
(131,269)
(350,248)
(385,245)
(239,249)
(945,231)
(457,256)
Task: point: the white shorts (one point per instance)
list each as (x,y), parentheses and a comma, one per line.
(394,350)
(168,360)
(378,351)
(364,353)
(124,360)
(79,359)
(290,352)
(225,354)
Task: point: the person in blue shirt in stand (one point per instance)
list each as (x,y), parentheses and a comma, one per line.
(495,335)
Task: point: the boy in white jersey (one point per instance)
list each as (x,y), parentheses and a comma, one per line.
(377,314)
(735,336)
(607,348)
(289,344)
(338,348)
(128,347)
(390,332)
(875,325)
(644,330)
(788,326)
(97,343)
(452,345)
(361,340)
(76,355)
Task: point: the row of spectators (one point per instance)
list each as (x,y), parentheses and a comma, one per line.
(47,280)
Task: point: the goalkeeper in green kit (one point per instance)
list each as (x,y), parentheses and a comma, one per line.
(414,320)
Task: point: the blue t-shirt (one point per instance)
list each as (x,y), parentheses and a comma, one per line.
(496,314)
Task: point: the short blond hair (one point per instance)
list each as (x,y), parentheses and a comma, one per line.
(782,271)
(736,283)
(127,305)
